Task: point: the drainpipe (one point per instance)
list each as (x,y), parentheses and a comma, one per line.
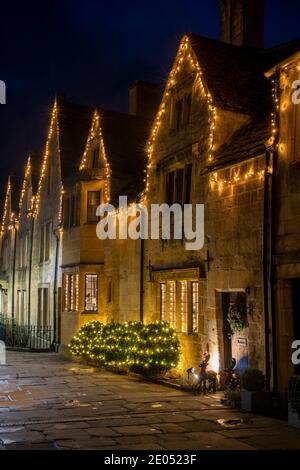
(14,273)
(272,267)
(55,289)
(142,280)
(266,269)
(30,270)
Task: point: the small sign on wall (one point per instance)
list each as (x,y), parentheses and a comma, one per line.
(242,341)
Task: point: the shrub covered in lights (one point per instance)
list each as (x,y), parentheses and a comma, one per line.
(147,349)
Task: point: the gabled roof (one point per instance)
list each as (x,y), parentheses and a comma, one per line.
(247,142)
(234,75)
(16,186)
(10,202)
(236,81)
(74,122)
(124,138)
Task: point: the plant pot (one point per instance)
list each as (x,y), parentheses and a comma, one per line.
(256,402)
(293,417)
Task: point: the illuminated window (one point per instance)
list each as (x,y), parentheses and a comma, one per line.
(184,306)
(195,306)
(91,292)
(93,201)
(172,303)
(71,292)
(163,302)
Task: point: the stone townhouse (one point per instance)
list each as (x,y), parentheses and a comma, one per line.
(225,135)
(213,142)
(31,235)
(8,245)
(285,204)
(68,129)
(25,239)
(112,164)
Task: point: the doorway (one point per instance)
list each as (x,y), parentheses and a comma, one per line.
(296,315)
(235,342)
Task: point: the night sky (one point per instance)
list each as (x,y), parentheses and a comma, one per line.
(93,51)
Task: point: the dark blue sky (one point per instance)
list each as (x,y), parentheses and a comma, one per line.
(93,50)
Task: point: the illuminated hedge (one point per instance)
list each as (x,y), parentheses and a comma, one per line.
(147,349)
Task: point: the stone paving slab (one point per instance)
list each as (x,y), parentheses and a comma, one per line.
(49,403)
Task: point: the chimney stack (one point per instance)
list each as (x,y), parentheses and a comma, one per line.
(143,99)
(242,22)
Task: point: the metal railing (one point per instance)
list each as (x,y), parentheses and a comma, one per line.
(32,337)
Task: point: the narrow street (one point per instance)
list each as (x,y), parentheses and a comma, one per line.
(47,402)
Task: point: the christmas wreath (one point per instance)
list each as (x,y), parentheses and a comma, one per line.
(236,318)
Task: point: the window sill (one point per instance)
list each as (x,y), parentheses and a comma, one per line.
(90,312)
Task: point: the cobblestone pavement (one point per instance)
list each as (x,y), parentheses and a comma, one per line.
(47,402)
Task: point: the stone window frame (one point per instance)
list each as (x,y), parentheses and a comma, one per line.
(96,309)
(189,277)
(70,291)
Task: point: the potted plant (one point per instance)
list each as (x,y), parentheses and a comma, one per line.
(294,402)
(232,389)
(254,397)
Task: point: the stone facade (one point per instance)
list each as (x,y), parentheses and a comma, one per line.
(208,144)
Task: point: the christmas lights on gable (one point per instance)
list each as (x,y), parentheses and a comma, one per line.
(185,54)
(96,133)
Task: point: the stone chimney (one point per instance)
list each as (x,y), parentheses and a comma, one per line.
(143,99)
(242,22)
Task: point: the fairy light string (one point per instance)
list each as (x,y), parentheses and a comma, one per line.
(185,53)
(5,210)
(25,181)
(96,132)
(53,126)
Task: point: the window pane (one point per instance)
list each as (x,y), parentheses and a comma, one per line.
(172,304)
(178,113)
(66,292)
(45,306)
(179,186)
(187,108)
(170,187)
(91,292)
(183,306)
(95,162)
(24,307)
(188,182)
(77,292)
(93,201)
(163,300)
(72,292)
(195,306)
(66,212)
